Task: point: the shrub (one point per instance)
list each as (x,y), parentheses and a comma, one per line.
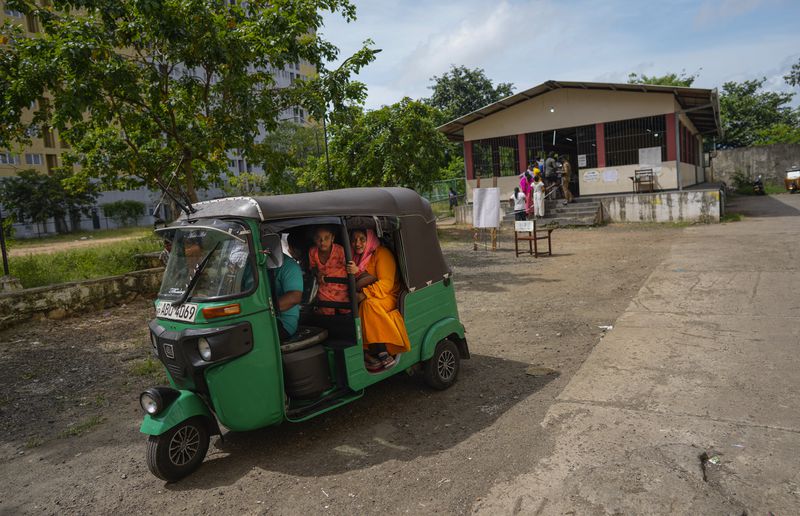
(125,213)
(742,182)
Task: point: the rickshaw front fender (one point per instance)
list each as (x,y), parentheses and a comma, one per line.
(440,331)
(185,406)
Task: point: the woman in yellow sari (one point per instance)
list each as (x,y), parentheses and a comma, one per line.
(378,282)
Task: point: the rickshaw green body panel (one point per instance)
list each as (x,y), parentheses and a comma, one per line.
(187,405)
(430,315)
(246,392)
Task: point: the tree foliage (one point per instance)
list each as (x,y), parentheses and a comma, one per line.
(463,90)
(396,145)
(124,212)
(793,77)
(669,79)
(748,113)
(39,197)
(140,88)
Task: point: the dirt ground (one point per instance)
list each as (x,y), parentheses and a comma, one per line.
(64,246)
(69,413)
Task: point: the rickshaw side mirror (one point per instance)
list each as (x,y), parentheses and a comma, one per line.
(273,250)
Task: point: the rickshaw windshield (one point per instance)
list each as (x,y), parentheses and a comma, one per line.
(218,254)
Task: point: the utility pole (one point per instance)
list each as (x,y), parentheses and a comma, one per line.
(3,246)
(327,158)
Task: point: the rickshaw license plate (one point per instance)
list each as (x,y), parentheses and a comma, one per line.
(185,312)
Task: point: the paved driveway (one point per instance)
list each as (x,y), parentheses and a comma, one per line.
(690,405)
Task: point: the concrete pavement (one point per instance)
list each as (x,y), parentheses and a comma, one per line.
(691,404)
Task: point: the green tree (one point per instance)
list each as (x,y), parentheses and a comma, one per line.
(39,197)
(125,212)
(286,150)
(462,90)
(396,145)
(778,133)
(669,79)
(139,88)
(747,112)
(793,77)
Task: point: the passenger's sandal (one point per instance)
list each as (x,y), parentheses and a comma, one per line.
(372,364)
(386,359)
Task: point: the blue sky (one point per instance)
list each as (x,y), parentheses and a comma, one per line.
(527,42)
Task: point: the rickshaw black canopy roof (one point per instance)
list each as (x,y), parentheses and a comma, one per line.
(421,256)
(398,202)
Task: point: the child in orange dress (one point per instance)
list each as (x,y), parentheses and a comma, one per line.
(326,258)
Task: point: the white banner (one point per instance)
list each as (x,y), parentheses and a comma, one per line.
(486,207)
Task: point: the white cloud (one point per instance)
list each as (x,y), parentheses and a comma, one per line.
(713,11)
(528,42)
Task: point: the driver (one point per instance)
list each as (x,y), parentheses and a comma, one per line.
(289,291)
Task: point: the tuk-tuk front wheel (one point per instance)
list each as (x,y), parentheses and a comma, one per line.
(442,369)
(178,451)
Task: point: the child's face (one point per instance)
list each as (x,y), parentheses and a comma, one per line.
(323,240)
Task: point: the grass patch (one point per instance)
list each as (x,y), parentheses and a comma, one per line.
(731,217)
(83,427)
(81,264)
(149,368)
(34,442)
(98,235)
(769,189)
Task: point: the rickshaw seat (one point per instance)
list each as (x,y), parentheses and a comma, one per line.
(305,337)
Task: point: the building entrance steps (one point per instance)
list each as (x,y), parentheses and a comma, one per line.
(580,213)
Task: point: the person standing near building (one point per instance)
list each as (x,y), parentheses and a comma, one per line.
(453,197)
(518,202)
(538,196)
(550,169)
(566,174)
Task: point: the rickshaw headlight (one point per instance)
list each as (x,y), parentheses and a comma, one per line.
(204,348)
(149,402)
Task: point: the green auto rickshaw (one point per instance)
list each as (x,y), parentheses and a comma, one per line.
(216,332)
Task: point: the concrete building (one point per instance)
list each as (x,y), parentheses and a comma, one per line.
(608,131)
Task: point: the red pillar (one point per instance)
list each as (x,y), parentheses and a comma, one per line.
(468,159)
(670,136)
(523,156)
(600,143)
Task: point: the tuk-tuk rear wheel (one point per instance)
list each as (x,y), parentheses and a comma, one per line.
(442,369)
(178,451)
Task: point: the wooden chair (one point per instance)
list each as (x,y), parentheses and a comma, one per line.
(532,236)
(643,180)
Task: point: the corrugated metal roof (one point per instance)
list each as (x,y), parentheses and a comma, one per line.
(700,105)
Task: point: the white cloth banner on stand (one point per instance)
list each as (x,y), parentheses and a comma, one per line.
(486,207)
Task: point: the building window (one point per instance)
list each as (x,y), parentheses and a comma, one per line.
(52,162)
(625,137)
(33,25)
(9,158)
(534,147)
(48,137)
(587,145)
(12,13)
(495,157)
(33,159)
